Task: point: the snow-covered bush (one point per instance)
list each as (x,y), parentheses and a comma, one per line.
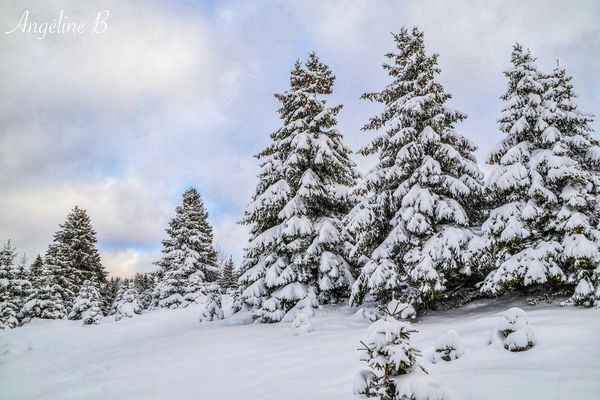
(86,306)
(211,305)
(447,347)
(388,353)
(585,294)
(513,331)
(126,303)
(395,373)
(301,324)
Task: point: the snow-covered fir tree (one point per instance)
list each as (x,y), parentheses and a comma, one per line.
(211,304)
(73,256)
(126,303)
(9,296)
(189,258)
(544,228)
(228,278)
(413,226)
(577,220)
(86,306)
(108,293)
(395,371)
(389,353)
(296,252)
(144,284)
(45,298)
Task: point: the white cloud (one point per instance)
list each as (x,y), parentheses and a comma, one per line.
(126,263)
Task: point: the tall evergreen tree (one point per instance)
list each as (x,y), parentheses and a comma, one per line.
(189,258)
(296,250)
(413,224)
(544,229)
(73,256)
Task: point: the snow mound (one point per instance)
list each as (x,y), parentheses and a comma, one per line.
(362,381)
(513,331)
(419,386)
(447,347)
(301,324)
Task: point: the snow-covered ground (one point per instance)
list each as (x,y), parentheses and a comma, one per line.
(168,355)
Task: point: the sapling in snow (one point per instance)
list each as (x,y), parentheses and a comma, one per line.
(87,305)
(389,353)
(513,331)
(395,373)
(126,303)
(586,293)
(447,347)
(210,303)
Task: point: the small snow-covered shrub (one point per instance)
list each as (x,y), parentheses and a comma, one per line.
(513,331)
(237,302)
(126,303)
(395,373)
(211,307)
(301,324)
(447,347)
(389,353)
(87,305)
(584,294)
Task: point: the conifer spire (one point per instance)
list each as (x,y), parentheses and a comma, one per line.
(189,258)
(295,254)
(544,228)
(412,226)
(73,256)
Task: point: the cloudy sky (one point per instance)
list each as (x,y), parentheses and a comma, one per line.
(180,93)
